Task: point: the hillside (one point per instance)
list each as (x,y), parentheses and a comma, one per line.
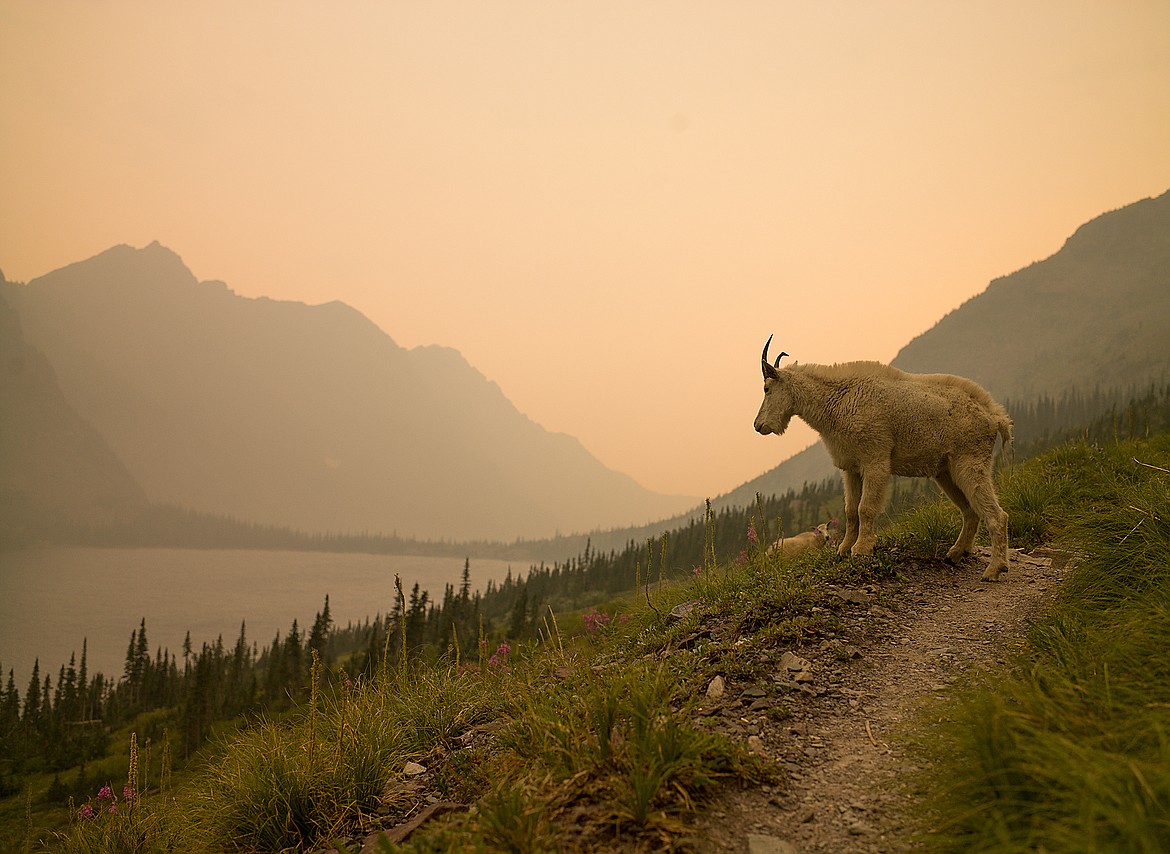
(1095,315)
(54,467)
(304,416)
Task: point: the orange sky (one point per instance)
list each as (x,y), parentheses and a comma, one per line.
(605,206)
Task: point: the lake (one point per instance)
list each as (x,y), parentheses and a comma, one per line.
(51,599)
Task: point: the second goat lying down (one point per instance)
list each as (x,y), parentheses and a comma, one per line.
(825,534)
(876,421)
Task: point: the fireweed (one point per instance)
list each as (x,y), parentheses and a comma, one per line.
(105,802)
(598,623)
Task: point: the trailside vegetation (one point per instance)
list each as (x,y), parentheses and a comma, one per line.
(1067,750)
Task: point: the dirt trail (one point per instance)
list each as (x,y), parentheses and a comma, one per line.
(847,782)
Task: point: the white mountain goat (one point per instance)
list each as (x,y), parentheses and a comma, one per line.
(825,534)
(876,421)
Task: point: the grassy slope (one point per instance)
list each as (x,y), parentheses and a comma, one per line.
(1069,750)
(595,746)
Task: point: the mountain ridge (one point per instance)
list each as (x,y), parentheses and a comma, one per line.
(309,417)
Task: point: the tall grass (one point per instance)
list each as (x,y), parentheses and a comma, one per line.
(292,783)
(1069,749)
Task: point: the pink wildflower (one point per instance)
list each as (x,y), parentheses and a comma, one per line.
(595,621)
(128,792)
(697,571)
(752,534)
(499,656)
(104,794)
(86,811)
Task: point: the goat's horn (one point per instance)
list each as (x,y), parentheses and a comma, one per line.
(764,357)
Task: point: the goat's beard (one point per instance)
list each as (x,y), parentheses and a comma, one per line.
(780,425)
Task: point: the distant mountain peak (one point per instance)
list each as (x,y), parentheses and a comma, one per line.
(123,266)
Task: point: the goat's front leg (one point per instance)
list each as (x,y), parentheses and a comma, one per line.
(873,501)
(852,481)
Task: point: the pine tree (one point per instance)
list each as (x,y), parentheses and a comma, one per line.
(519,620)
(294,663)
(465,583)
(10,741)
(416,618)
(273,668)
(187,652)
(319,634)
(32,697)
(83,712)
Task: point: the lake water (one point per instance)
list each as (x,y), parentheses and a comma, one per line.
(51,599)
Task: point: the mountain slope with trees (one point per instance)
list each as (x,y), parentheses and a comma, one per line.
(1081,331)
(1093,315)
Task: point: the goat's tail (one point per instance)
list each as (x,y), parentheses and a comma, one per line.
(1004,428)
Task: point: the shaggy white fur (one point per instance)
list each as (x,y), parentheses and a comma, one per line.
(876,421)
(825,534)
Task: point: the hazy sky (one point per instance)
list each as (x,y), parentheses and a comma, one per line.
(606,207)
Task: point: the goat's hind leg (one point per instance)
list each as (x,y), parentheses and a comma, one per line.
(996,520)
(975,482)
(962,545)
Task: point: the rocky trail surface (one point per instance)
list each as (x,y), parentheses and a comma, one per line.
(847,786)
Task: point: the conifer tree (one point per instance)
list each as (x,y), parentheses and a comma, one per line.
(519,619)
(294,663)
(319,634)
(32,698)
(83,711)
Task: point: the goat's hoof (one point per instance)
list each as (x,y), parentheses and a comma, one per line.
(990,574)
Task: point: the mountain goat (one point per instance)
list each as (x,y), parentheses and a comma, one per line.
(876,421)
(825,534)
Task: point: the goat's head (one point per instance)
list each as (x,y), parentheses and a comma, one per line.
(829,532)
(777,409)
